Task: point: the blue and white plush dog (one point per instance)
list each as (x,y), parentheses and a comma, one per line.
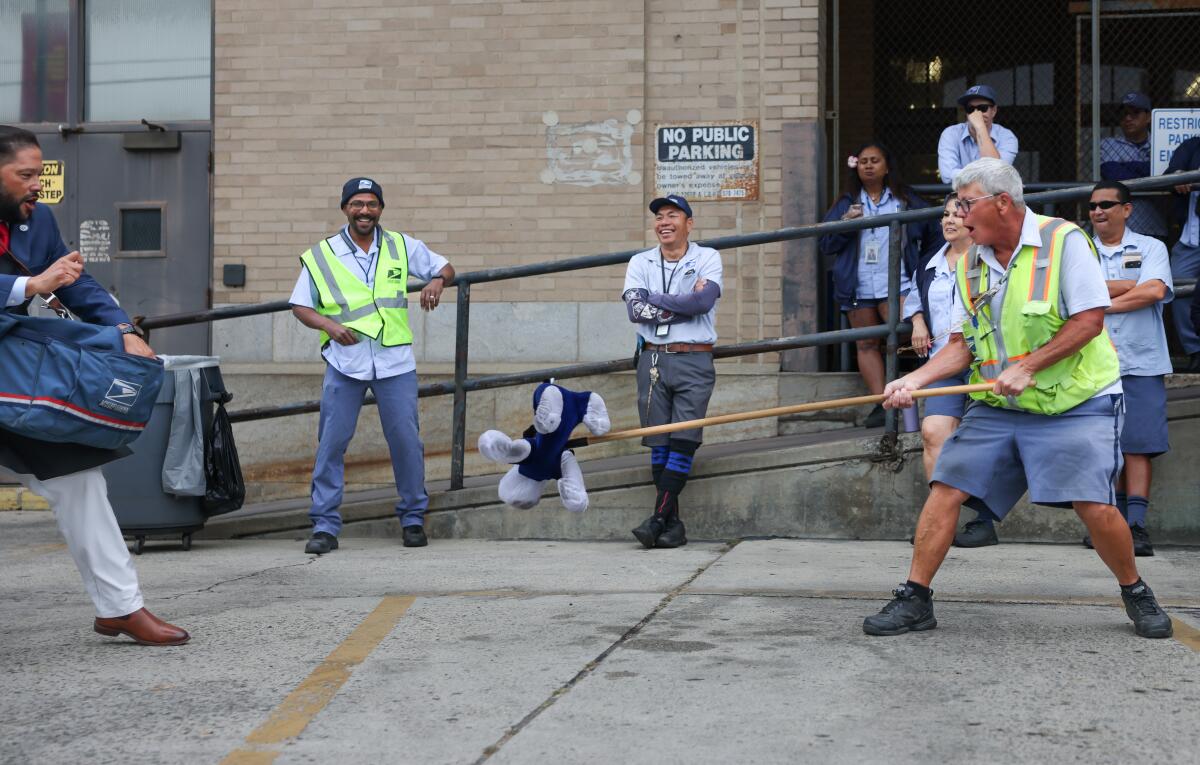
(541,454)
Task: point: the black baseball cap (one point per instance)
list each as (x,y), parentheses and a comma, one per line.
(674,200)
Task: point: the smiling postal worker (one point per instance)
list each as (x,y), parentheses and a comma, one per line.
(34,261)
(1137,269)
(671,294)
(1031,313)
(353,289)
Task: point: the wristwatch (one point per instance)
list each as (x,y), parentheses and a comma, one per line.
(127,329)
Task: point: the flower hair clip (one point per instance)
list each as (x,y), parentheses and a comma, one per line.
(852,161)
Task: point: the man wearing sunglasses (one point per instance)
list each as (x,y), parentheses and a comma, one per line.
(1032,300)
(1138,272)
(353,289)
(977,136)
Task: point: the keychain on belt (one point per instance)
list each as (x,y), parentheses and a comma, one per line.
(653,380)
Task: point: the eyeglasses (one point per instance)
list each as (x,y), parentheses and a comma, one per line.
(1107,204)
(964,205)
(359,206)
(977,108)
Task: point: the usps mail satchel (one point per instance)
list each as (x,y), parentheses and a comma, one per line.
(68,382)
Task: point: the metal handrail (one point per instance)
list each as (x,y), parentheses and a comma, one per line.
(1058,194)
(462,384)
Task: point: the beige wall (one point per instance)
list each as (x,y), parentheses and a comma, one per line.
(454,109)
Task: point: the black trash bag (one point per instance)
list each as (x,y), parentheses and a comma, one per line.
(222,470)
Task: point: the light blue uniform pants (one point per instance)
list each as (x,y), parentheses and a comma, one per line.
(341,400)
(1185,264)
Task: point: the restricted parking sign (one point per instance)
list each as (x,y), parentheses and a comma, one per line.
(1168,129)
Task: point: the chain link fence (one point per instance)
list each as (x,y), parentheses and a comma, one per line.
(900,67)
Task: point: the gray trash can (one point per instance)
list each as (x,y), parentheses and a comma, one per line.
(135,483)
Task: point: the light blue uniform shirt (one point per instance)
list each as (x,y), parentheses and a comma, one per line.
(957,149)
(649,271)
(873,277)
(368,359)
(1081,284)
(942,296)
(1139,336)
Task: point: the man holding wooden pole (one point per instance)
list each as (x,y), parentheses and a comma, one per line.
(1031,308)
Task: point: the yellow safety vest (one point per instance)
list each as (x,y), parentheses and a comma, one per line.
(1027,320)
(379,312)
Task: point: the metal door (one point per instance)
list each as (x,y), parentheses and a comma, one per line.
(137,207)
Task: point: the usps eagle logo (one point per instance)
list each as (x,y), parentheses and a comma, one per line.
(121,396)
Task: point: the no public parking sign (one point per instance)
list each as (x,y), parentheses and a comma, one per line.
(707,161)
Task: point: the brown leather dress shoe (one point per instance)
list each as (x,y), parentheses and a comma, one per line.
(144,627)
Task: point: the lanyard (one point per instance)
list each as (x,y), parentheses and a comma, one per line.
(662,267)
(873,210)
(369,271)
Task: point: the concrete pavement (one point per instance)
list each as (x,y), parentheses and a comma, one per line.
(537,651)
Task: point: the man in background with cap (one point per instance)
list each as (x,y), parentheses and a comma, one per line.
(671,294)
(977,136)
(353,288)
(1128,156)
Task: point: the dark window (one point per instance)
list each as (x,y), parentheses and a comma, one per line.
(141,230)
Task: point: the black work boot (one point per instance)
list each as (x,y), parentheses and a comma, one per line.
(674,535)
(320,543)
(874,419)
(1149,620)
(648,532)
(977,533)
(908,612)
(1141,542)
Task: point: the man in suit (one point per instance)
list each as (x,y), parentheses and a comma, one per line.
(34,262)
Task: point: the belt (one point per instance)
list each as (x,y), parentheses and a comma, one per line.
(680,347)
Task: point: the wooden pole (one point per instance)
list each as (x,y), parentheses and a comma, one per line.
(778,411)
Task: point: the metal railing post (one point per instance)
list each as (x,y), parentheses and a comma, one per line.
(462,333)
(895,255)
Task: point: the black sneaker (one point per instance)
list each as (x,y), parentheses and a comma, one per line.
(414,536)
(1141,542)
(1149,620)
(875,418)
(649,531)
(674,535)
(321,543)
(977,533)
(907,612)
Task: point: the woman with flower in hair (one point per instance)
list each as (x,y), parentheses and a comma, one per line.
(860,266)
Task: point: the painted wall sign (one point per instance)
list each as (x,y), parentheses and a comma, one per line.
(54,182)
(95,241)
(707,161)
(1168,129)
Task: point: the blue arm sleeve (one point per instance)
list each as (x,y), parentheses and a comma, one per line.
(691,304)
(641,311)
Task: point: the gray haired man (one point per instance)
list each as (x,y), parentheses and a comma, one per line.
(1031,312)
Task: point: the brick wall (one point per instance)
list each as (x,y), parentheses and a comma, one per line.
(456,109)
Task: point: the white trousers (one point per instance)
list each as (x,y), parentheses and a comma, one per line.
(86,520)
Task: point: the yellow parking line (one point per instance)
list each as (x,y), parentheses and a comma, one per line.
(1187,634)
(296,711)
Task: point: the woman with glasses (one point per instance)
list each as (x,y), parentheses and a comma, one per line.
(860,267)
(930,308)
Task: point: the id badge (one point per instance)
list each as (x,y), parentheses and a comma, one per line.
(872,253)
(661,330)
(1131,259)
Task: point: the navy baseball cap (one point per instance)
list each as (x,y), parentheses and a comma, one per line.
(361,186)
(977,91)
(1137,101)
(674,200)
